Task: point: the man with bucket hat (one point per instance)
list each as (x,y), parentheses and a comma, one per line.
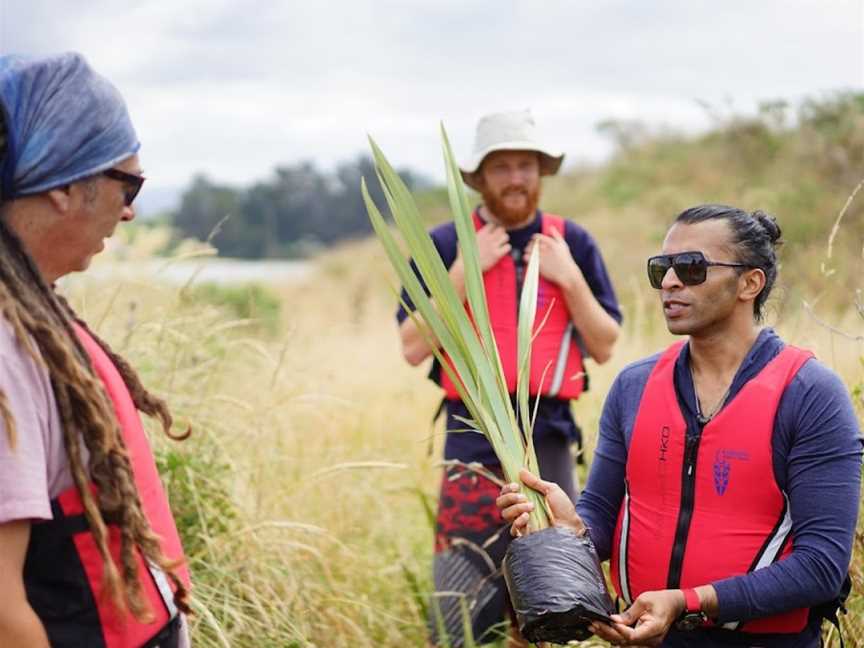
(89,551)
(582,322)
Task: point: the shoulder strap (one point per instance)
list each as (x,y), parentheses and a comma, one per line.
(478,222)
(551,221)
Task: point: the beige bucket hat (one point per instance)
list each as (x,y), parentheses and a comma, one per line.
(508,131)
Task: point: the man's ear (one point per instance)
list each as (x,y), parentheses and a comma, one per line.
(60,198)
(751,283)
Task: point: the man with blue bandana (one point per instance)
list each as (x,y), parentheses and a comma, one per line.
(89,551)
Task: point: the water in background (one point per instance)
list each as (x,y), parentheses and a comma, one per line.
(198,270)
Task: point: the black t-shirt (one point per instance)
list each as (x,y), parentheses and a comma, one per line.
(553,415)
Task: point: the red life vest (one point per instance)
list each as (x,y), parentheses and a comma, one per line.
(556,360)
(712,503)
(63,569)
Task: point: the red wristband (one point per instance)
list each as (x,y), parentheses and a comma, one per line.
(692,603)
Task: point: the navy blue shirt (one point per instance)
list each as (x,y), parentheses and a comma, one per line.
(817,449)
(554,416)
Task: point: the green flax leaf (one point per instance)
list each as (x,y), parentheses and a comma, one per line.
(454,334)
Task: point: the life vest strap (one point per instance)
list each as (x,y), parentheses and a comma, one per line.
(561,364)
(168,637)
(64,525)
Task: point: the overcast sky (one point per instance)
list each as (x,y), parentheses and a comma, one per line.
(232,88)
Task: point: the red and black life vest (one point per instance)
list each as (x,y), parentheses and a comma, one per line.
(63,569)
(700,509)
(556,360)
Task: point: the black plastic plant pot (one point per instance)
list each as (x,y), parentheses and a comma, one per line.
(556,585)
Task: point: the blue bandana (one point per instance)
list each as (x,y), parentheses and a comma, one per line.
(64,123)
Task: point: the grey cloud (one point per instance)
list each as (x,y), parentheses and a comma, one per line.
(274,81)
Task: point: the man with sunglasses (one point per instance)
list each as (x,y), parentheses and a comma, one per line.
(89,551)
(725,485)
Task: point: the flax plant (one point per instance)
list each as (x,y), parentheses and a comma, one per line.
(458,334)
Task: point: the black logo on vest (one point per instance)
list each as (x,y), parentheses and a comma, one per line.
(664,485)
(665,433)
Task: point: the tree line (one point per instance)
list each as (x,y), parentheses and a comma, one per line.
(298,210)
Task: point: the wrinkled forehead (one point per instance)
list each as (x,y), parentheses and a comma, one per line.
(712,237)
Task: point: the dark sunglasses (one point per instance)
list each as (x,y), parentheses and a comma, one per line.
(132,183)
(691,267)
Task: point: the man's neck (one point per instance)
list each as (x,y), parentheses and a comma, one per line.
(487,215)
(720,353)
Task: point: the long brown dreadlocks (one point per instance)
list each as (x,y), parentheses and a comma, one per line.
(39,315)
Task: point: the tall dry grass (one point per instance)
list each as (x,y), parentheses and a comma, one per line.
(305,491)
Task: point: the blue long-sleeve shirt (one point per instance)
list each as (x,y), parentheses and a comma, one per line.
(817,448)
(554,417)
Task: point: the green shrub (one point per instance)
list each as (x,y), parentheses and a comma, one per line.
(249,302)
(196,481)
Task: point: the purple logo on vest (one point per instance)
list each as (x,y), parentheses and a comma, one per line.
(722,467)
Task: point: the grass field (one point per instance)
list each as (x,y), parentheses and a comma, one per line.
(305,491)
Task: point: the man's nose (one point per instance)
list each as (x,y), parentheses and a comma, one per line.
(516,176)
(670,280)
(128,213)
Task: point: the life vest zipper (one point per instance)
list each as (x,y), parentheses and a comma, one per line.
(685,515)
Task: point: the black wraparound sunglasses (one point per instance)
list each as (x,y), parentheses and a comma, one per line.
(691,267)
(132,183)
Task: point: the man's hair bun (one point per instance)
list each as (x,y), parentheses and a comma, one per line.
(769,224)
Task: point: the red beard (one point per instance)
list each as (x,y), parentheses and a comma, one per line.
(507,216)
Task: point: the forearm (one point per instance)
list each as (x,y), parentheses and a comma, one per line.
(810,575)
(598,329)
(20,627)
(600,501)
(708,600)
(782,587)
(417,343)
